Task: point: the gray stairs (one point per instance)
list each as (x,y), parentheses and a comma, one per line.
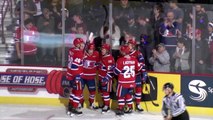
(7,49)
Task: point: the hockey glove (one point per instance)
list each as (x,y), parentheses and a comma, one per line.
(77,78)
(144,76)
(104,81)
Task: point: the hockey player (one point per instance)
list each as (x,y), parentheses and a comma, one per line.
(125,68)
(105,75)
(90,61)
(174,107)
(141,76)
(74,72)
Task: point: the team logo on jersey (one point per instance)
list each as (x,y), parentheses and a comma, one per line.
(197,87)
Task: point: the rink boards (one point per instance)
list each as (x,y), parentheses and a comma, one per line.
(27,85)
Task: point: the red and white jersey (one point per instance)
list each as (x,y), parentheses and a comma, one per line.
(28,35)
(126,67)
(139,56)
(90,65)
(105,66)
(75,63)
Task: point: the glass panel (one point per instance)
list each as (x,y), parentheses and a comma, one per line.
(42,38)
(148,23)
(85,17)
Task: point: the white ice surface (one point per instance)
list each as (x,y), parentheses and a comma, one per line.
(29,112)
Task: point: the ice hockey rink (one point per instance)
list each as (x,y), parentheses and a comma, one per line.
(31,112)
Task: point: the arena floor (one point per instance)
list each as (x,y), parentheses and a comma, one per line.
(31,112)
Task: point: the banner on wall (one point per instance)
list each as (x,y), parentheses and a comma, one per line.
(197,90)
(29,80)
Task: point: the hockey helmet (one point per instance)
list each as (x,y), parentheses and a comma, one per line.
(168,85)
(78,41)
(133,42)
(91,46)
(125,49)
(106,46)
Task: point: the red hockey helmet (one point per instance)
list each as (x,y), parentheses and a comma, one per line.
(125,49)
(131,41)
(106,46)
(91,46)
(78,41)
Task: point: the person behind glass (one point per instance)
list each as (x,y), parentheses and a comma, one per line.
(160,59)
(173,107)
(178,12)
(181,57)
(29,36)
(116,34)
(201,19)
(76,21)
(46,25)
(157,17)
(74,75)
(122,13)
(201,52)
(210,43)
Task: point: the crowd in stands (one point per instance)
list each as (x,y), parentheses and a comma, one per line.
(163,30)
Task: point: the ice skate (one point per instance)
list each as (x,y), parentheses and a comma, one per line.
(138,108)
(105,109)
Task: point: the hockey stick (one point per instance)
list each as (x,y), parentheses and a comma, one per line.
(151,83)
(155,104)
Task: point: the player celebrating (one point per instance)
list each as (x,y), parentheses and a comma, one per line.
(90,61)
(105,75)
(174,107)
(126,67)
(140,76)
(74,72)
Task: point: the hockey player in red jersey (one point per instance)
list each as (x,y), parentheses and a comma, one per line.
(105,75)
(74,72)
(126,69)
(141,75)
(90,61)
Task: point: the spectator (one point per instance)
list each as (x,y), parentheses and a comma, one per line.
(210,31)
(40,5)
(116,34)
(29,47)
(201,20)
(29,8)
(201,50)
(160,59)
(46,27)
(75,21)
(170,31)
(210,43)
(157,18)
(181,57)
(46,22)
(178,12)
(122,13)
(59,22)
(131,26)
(146,47)
(127,36)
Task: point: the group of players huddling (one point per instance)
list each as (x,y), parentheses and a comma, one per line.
(83,65)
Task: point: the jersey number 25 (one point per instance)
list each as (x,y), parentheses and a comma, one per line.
(129,71)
